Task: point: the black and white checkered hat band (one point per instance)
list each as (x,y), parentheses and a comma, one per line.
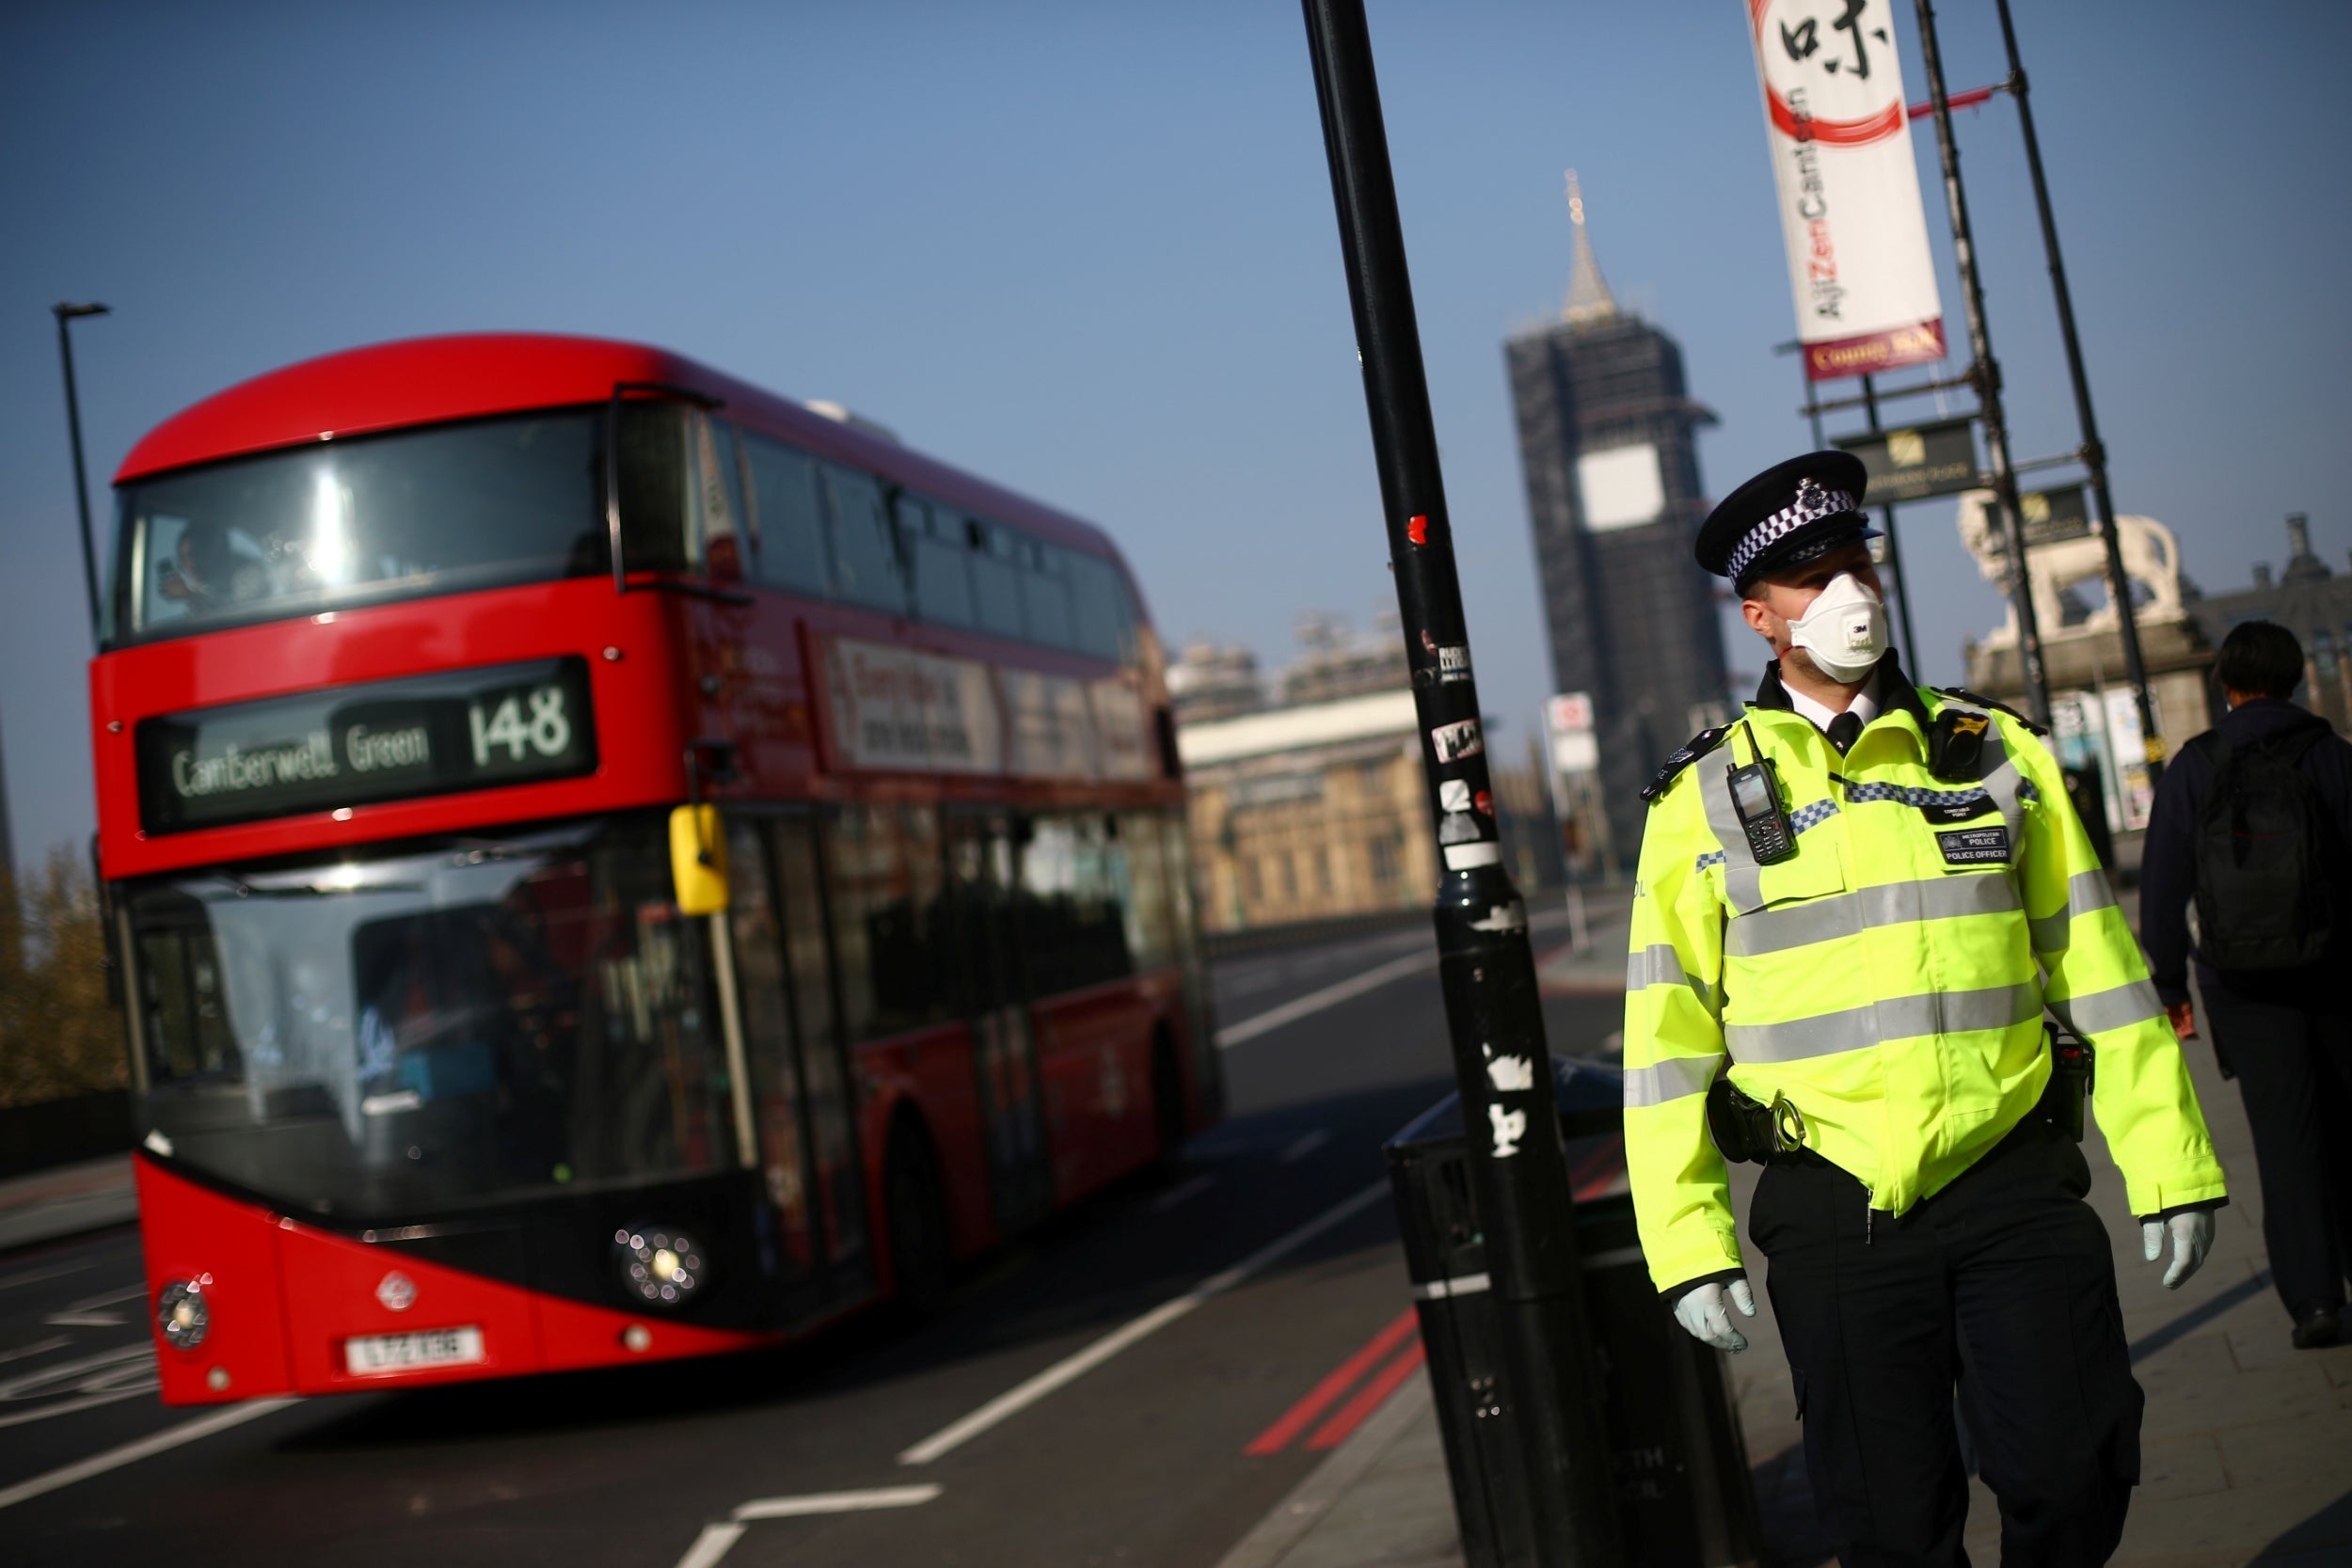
(1812,504)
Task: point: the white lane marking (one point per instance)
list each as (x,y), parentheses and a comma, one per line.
(1329,996)
(1069,1368)
(131,1453)
(1305,1147)
(67,1407)
(34,1276)
(86,1320)
(111,1298)
(715,1540)
(33,1383)
(1175,1196)
(710,1545)
(59,1342)
(836,1502)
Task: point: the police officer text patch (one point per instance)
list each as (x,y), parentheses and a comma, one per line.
(1974,847)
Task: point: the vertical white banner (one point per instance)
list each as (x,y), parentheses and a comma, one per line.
(1840,136)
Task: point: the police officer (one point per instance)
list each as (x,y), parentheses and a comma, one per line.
(1854,904)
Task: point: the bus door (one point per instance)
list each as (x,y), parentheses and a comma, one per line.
(780,1106)
(980,871)
(829,1120)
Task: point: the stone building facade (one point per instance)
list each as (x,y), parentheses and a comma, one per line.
(1308,812)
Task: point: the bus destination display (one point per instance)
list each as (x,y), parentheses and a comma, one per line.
(387,740)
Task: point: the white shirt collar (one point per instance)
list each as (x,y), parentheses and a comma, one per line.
(1864,706)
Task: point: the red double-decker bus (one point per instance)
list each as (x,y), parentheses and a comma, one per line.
(609,863)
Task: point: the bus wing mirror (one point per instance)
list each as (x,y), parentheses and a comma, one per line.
(698,860)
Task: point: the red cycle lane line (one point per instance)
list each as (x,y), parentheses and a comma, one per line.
(1600,1170)
(1368,1399)
(1300,1416)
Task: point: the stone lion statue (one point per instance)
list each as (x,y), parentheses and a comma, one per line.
(2151,560)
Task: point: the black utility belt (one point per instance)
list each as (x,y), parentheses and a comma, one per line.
(1747,1131)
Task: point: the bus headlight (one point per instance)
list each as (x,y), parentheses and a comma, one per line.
(181,1314)
(660,1264)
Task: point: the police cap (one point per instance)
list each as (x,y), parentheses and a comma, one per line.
(1790,514)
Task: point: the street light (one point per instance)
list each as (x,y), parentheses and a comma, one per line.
(65,311)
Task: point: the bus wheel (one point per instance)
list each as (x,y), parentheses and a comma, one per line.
(918,1223)
(1169,1125)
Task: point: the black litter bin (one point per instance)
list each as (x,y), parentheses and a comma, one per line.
(1678,1462)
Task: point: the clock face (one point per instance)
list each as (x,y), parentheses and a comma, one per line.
(1620,487)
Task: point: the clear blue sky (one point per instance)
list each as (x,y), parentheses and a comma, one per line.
(1087,250)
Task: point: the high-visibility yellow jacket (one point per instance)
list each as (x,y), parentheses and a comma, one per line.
(1889,979)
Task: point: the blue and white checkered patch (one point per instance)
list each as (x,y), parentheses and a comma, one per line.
(1799,820)
(1905,794)
(1813,815)
(1812,504)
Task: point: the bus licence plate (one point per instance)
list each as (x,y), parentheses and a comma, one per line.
(399,1353)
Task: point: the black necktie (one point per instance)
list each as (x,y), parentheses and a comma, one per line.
(1842,730)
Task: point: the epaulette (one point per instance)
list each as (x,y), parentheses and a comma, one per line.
(1698,746)
(1967,696)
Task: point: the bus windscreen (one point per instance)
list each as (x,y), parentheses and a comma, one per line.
(381,1034)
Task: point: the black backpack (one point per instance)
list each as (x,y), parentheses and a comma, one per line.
(2261,883)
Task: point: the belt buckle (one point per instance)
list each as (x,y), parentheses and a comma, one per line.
(1783,1112)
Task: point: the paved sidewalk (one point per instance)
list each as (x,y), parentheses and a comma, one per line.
(2246,1448)
(66,1200)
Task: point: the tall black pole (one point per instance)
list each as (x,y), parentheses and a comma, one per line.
(1986,374)
(2094,450)
(66,312)
(1894,552)
(1518,1171)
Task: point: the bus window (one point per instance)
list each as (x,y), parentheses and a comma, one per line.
(723,534)
(996,578)
(1045,598)
(1098,600)
(767,1045)
(791,534)
(942,574)
(865,570)
(656,492)
(884,877)
(1151,907)
(1074,929)
(831,1122)
(363,519)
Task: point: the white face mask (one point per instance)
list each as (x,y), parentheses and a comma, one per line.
(1844,629)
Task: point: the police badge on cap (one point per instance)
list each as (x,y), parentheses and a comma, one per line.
(1790,514)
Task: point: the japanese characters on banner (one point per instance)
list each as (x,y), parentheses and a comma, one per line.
(1840,136)
(895,710)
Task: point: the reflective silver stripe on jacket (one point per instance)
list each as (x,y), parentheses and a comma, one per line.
(2118,1008)
(2087,893)
(1660,965)
(1895,1017)
(1743,876)
(1676,1078)
(1847,914)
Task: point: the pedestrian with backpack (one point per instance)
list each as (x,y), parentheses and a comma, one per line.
(2254,822)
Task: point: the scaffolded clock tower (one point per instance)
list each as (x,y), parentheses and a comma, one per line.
(1608,442)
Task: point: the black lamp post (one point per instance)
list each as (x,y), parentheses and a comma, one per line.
(65,311)
(1485,968)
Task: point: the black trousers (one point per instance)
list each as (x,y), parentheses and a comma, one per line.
(2001,1287)
(2293,1066)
